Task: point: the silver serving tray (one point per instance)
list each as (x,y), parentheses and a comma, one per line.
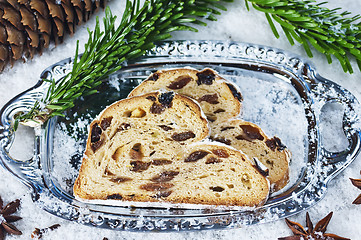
(236,61)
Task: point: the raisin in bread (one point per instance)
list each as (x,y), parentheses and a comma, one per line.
(219,99)
(139,149)
(251,140)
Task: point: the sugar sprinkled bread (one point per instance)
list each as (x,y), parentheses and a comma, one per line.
(147,149)
(219,99)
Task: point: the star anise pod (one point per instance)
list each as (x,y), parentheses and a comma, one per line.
(357,183)
(6,218)
(314,233)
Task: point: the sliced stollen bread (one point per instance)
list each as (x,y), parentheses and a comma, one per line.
(146,149)
(210,174)
(225,130)
(132,131)
(251,140)
(219,99)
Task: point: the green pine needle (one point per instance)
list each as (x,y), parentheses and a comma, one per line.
(311,24)
(105,51)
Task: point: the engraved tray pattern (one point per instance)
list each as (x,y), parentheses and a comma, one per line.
(321,165)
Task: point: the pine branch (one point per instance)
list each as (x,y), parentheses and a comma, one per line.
(311,24)
(303,21)
(104,52)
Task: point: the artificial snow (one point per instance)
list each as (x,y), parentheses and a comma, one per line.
(236,25)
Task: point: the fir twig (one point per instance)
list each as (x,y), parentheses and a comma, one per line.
(311,24)
(104,52)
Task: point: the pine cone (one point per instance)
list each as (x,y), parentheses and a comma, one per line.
(28,26)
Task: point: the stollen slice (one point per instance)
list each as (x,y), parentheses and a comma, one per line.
(130,133)
(148,149)
(220,99)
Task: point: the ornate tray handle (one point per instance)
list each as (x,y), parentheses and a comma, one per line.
(24,169)
(330,92)
(27,170)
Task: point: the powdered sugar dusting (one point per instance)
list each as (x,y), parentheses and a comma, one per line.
(68,149)
(114,82)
